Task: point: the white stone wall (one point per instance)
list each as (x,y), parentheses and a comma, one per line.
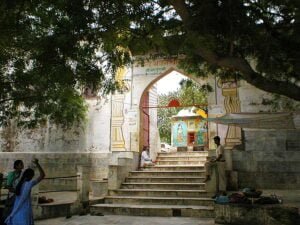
(92,136)
(253,99)
(61,150)
(97,134)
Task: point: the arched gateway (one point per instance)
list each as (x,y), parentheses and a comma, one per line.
(131,127)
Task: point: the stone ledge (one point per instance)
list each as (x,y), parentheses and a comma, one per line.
(237,214)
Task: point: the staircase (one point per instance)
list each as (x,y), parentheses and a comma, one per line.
(173,187)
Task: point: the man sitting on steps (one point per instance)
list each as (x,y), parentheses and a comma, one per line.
(145,158)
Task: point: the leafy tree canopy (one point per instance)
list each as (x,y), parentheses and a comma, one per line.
(50,48)
(256,40)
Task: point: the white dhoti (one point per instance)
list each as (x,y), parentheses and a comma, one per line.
(221,178)
(219,168)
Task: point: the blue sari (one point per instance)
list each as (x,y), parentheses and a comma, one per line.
(22,210)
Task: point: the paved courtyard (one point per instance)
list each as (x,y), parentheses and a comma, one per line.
(125,220)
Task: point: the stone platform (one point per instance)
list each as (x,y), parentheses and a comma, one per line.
(125,220)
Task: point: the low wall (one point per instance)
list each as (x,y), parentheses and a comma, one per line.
(270,159)
(120,166)
(60,165)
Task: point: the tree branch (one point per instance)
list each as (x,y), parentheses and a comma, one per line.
(274,86)
(234,63)
(181,9)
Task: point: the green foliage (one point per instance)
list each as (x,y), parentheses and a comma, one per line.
(164,115)
(50,47)
(48,50)
(190,93)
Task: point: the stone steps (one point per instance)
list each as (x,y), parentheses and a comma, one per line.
(159,193)
(188,158)
(153,210)
(149,173)
(178,162)
(173,167)
(170,186)
(142,200)
(173,187)
(165,179)
(184,154)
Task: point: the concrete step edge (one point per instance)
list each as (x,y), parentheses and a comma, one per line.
(210,208)
(160,198)
(161,190)
(183,156)
(182,171)
(152,177)
(188,152)
(125,183)
(179,160)
(177,166)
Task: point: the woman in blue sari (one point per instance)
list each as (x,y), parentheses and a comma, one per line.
(22,210)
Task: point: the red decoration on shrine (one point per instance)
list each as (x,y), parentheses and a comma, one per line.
(174,103)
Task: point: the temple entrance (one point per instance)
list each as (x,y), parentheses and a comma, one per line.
(160,114)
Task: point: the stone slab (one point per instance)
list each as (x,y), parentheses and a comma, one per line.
(159,193)
(153,210)
(142,200)
(126,220)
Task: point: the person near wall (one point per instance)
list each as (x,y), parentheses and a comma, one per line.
(145,157)
(22,210)
(12,179)
(219,163)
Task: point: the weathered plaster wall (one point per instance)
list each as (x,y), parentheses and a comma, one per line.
(61,150)
(92,136)
(253,99)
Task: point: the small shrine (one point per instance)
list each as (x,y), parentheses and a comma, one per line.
(189,128)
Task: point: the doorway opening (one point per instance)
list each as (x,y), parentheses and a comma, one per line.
(173,110)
